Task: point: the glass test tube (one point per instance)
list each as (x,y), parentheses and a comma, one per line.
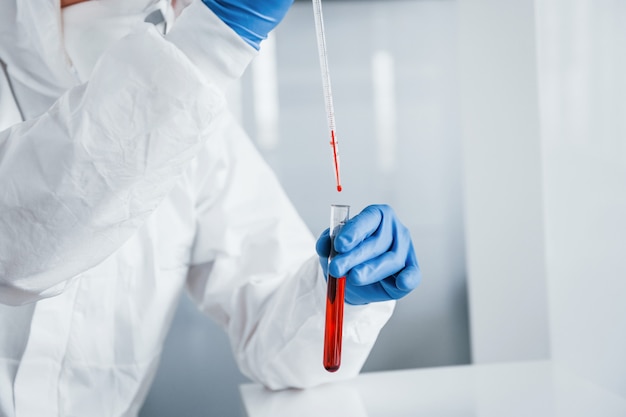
(339,215)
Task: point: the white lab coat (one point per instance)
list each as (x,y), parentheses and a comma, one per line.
(118,193)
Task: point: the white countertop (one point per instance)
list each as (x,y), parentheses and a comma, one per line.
(526,389)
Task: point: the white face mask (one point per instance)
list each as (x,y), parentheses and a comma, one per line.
(90,27)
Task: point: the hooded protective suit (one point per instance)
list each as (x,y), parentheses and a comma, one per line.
(123,185)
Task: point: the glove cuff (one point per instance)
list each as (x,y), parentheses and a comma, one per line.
(249,24)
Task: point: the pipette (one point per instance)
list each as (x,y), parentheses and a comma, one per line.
(328,95)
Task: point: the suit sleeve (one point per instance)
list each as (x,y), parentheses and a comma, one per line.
(79,180)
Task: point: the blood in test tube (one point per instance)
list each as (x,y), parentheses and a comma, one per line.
(334,323)
(334,297)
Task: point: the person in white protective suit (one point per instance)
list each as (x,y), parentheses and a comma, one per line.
(123,180)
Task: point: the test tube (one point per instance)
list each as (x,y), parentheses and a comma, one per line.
(339,215)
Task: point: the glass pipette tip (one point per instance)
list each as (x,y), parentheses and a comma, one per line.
(328,95)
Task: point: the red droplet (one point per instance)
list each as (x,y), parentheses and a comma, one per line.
(339,188)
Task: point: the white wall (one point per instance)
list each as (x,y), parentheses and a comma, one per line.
(582,67)
(543,90)
(503,181)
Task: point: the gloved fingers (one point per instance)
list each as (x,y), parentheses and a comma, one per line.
(381,255)
(322,247)
(384,290)
(410,277)
(390,285)
(377,269)
(324,265)
(365,295)
(375,253)
(367,236)
(359,228)
(373,247)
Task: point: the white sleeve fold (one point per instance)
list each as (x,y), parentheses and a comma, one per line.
(78,181)
(218,52)
(255,271)
(284,349)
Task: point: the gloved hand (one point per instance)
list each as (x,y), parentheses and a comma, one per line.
(375,254)
(251,19)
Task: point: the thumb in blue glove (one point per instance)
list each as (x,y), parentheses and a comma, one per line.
(375,253)
(250,19)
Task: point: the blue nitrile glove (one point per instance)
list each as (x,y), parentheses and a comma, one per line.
(375,254)
(251,19)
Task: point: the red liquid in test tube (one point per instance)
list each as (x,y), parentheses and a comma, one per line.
(339,215)
(334,323)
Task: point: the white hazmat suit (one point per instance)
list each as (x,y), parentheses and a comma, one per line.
(121,186)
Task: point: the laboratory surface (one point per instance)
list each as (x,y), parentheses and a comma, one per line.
(524,389)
